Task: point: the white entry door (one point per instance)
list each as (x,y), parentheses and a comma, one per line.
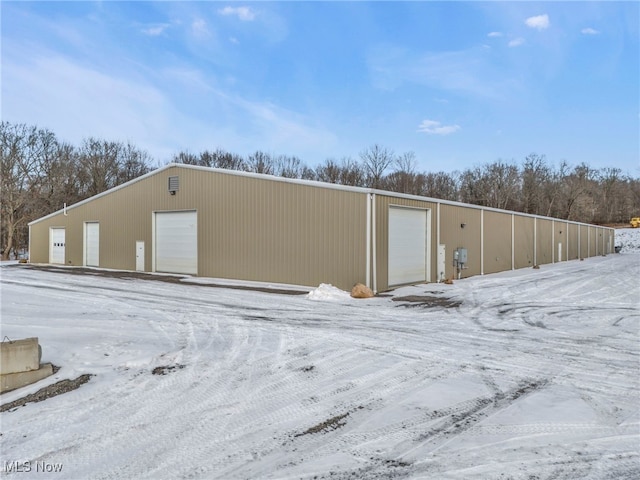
(57,245)
(140,256)
(92,244)
(176,242)
(442,255)
(408,244)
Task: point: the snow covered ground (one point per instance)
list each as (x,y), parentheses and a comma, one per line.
(534,375)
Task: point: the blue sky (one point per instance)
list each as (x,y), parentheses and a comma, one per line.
(458,83)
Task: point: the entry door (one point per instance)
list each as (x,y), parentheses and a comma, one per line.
(92,244)
(176,242)
(140,256)
(442,255)
(57,245)
(408,230)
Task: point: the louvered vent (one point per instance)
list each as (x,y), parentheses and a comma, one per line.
(174,184)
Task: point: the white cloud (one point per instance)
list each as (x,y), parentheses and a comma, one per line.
(590,31)
(431,127)
(539,22)
(245,14)
(516,42)
(199,27)
(494,34)
(156,30)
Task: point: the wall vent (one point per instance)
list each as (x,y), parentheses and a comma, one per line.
(174,184)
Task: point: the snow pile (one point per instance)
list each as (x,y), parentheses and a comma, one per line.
(327,291)
(628,239)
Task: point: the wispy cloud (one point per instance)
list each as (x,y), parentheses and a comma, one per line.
(432,127)
(199,27)
(539,22)
(494,34)
(590,31)
(466,71)
(245,14)
(155,30)
(516,42)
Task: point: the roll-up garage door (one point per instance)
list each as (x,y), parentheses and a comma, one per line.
(407,245)
(176,242)
(92,244)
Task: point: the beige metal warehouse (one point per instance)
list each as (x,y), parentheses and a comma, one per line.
(226,224)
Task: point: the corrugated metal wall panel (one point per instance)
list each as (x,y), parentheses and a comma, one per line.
(265,229)
(454,236)
(584,241)
(560,240)
(249,228)
(497,242)
(593,241)
(524,241)
(544,241)
(572,242)
(382,204)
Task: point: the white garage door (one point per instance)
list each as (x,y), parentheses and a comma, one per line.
(92,244)
(176,242)
(408,230)
(56,245)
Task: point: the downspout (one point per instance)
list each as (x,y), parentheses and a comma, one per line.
(438,241)
(513,242)
(567,240)
(482,241)
(553,241)
(368,222)
(375,235)
(535,240)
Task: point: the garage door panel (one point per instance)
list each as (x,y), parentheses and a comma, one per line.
(407,245)
(92,245)
(176,238)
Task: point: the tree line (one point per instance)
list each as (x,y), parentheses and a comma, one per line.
(39,174)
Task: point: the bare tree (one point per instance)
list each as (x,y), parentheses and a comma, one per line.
(440,185)
(23,151)
(493,185)
(376,160)
(288,166)
(404,179)
(260,162)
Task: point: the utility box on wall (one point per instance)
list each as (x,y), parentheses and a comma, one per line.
(459,257)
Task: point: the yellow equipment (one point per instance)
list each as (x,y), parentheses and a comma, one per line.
(635,222)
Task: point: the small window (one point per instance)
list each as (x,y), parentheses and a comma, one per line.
(174,183)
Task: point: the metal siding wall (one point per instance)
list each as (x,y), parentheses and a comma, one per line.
(497,242)
(574,254)
(560,237)
(268,230)
(282,232)
(453,236)
(544,241)
(584,241)
(381,233)
(524,241)
(248,228)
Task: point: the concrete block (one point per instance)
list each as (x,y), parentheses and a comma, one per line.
(19,356)
(11,381)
